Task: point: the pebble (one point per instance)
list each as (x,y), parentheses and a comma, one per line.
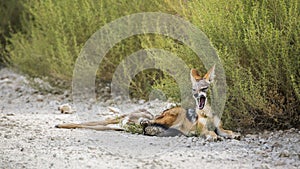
(92,148)
(284,153)
(279,163)
(109,102)
(264,166)
(141,101)
(7,136)
(66,93)
(277,145)
(40,98)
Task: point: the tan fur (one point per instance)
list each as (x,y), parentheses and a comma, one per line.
(195,74)
(168,117)
(209,73)
(175,118)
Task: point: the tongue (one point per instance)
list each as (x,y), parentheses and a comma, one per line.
(201,102)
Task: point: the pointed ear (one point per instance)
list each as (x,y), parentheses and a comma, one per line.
(195,76)
(210,75)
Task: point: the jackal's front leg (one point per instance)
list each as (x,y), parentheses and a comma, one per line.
(222,132)
(203,130)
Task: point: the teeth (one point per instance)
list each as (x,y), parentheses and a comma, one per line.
(201,102)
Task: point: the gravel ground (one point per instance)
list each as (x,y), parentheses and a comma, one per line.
(28,138)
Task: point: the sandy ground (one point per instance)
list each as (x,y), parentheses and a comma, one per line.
(28,139)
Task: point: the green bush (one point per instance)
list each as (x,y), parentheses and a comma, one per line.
(10,12)
(257,41)
(259,44)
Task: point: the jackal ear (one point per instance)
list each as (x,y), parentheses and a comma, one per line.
(210,75)
(195,76)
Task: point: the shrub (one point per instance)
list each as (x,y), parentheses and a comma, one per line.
(9,22)
(258,42)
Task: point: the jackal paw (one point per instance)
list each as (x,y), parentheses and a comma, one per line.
(145,123)
(232,135)
(211,136)
(236,136)
(152,130)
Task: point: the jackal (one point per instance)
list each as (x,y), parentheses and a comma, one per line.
(200,121)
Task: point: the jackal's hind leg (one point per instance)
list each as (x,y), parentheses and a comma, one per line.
(151,128)
(161,131)
(68,126)
(95,125)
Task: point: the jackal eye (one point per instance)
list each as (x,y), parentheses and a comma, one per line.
(204,89)
(193,90)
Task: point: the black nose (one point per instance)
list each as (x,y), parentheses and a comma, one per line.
(196,95)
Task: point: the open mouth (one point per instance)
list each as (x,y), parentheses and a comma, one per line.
(201,102)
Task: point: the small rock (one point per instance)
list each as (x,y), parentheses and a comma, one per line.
(291,130)
(109,102)
(40,98)
(284,153)
(279,163)
(66,93)
(189,139)
(141,101)
(264,166)
(262,141)
(277,145)
(18,89)
(260,152)
(7,136)
(194,139)
(66,109)
(250,137)
(92,148)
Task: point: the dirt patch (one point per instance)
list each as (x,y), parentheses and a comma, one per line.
(30,140)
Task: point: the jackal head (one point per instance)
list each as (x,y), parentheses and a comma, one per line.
(200,86)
